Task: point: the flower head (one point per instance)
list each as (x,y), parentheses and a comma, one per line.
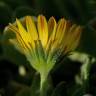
(43,42)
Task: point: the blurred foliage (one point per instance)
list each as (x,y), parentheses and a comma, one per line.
(82,12)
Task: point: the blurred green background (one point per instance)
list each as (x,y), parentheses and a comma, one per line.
(81,12)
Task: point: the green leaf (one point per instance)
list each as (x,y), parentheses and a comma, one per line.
(60,90)
(75,90)
(88,41)
(5,17)
(78,92)
(14,4)
(35,87)
(24,92)
(1,50)
(23,11)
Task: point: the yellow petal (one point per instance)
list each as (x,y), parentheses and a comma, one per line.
(22,31)
(76,38)
(72,38)
(31,28)
(25,35)
(70,35)
(42,29)
(18,36)
(52,32)
(52,27)
(61,30)
(13,28)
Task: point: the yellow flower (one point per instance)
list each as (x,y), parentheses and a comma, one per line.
(43,42)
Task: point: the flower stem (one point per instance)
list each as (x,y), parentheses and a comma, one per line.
(43,85)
